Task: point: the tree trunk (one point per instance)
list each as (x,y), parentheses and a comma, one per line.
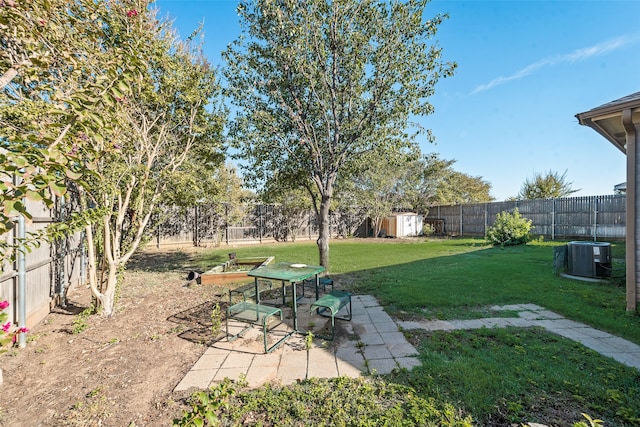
(377,226)
(107,298)
(8,75)
(324,232)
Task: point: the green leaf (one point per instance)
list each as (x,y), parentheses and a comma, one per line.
(59,189)
(9,207)
(116,92)
(124,87)
(73,175)
(34,196)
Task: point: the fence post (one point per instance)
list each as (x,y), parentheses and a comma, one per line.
(22,283)
(486,214)
(553,220)
(461,219)
(595,219)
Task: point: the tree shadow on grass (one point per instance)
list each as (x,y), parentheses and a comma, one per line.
(161,262)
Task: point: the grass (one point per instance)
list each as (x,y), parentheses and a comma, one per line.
(497,376)
(504,376)
(453,279)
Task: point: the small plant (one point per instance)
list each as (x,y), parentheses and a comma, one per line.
(308,340)
(589,423)
(34,338)
(216,320)
(428,229)
(80,322)
(308,343)
(95,392)
(206,404)
(177,329)
(509,229)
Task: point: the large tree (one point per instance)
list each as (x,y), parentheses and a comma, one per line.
(431,180)
(459,188)
(163,126)
(379,187)
(102,97)
(550,185)
(55,77)
(317,84)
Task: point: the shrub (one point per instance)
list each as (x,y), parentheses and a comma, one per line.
(509,229)
(428,229)
(336,401)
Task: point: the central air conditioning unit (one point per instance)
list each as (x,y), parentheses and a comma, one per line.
(589,259)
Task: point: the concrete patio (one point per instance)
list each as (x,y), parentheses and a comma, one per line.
(372,343)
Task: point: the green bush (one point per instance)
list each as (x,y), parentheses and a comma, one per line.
(338,401)
(509,229)
(428,229)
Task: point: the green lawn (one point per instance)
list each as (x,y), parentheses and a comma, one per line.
(455,278)
(497,376)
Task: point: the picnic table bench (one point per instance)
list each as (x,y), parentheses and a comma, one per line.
(249,290)
(321,284)
(332,303)
(254,314)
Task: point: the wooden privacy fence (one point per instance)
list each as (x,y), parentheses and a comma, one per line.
(214,225)
(47,272)
(592,217)
(51,269)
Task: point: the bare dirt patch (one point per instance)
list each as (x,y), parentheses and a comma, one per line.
(119,371)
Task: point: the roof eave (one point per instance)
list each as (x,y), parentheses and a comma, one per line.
(593,123)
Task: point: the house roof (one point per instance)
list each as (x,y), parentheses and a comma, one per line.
(607,118)
(620,187)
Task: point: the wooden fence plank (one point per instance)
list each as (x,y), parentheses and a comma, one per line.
(590,217)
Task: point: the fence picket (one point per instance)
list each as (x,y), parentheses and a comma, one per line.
(592,217)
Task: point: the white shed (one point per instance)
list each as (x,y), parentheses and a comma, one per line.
(402,224)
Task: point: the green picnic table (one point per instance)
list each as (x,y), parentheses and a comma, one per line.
(287,273)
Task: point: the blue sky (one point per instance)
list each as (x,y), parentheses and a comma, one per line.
(525,69)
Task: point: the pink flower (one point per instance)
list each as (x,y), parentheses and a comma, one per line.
(4,304)
(6,326)
(19,331)
(132,13)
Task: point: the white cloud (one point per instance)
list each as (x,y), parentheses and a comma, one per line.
(577,55)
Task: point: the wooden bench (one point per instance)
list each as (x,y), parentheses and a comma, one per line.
(329,305)
(249,290)
(254,314)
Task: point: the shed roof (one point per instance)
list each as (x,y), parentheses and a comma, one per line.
(607,118)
